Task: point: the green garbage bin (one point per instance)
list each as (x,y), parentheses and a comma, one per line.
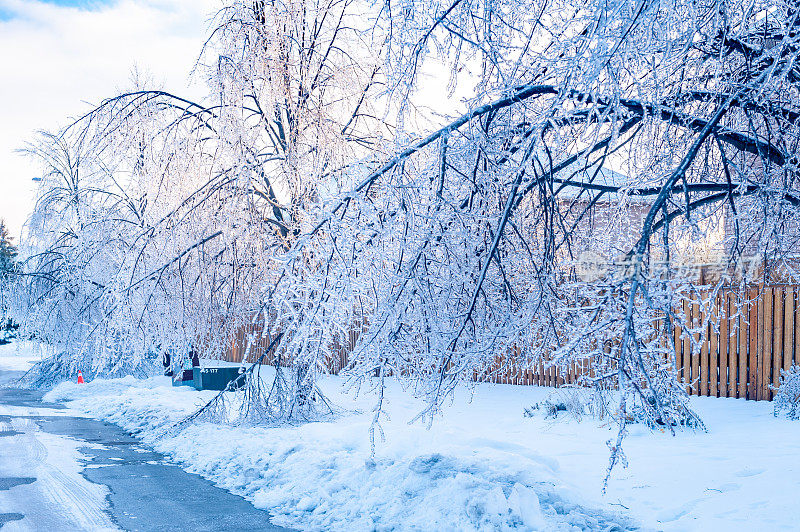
(216,377)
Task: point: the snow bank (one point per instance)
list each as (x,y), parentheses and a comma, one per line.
(320,475)
(483,466)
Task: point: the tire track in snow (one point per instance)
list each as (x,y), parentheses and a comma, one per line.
(60,498)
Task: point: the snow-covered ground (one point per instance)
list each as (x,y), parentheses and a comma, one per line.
(483,465)
(52,494)
(40,473)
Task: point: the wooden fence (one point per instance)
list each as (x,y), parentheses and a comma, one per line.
(737,352)
(252,334)
(758,335)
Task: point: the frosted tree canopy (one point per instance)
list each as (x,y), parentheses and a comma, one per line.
(605,161)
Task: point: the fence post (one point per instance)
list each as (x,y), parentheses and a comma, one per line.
(705,336)
(788,328)
(713,350)
(766,353)
(755,333)
(724,342)
(797,328)
(777,339)
(696,377)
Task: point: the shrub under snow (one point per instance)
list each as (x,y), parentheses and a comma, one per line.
(787,397)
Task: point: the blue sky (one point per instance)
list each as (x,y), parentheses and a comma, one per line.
(59,57)
(8,12)
(89,4)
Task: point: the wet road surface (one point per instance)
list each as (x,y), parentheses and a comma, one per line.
(60,472)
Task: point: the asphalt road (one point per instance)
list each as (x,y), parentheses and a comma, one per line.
(61,472)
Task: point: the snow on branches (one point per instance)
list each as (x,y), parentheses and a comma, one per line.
(608,156)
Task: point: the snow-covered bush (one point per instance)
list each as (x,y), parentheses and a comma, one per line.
(574,401)
(578,402)
(787,398)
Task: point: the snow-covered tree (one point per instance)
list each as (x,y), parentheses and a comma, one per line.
(8,251)
(599,145)
(159,219)
(587,120)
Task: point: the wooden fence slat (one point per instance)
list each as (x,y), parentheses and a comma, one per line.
(695,352)
(687,346)
(547,370)
(777,338)
(733,346)
(737,355)
(541,372)
(797,327)
(724,342)
(554,380)
(777,341)
(549,374)
(546,373)
(676,339)
(788,328)
(755,333)
(705,336)
(743,310)
(766,351)
(713,349)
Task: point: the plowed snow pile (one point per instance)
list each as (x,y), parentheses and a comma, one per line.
(483,466)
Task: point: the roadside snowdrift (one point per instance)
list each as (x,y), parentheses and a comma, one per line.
(482,466)
(320,475)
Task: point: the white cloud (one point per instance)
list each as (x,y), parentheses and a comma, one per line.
(56,61)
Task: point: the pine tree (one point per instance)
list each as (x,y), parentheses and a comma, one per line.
(8,251)
(8,254)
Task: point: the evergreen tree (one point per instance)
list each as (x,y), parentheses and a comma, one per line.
(8,251)
(8,254)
